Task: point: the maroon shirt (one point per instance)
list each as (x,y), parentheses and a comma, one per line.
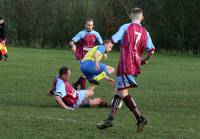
(134,40)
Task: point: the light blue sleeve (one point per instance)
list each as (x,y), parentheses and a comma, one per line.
(78,37)
(150,45)
(119,34)
(60,89)
(99,39)
(101,49)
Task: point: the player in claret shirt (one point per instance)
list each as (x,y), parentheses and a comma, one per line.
(81,43)
(134,40)
(69,98)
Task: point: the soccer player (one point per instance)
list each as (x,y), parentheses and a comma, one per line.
(3,49)
(134,40)
(81,43)
(92,68)
(69,98)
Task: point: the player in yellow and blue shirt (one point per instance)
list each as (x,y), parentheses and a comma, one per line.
(92,68)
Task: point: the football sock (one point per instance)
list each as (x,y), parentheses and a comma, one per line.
(83,82)
(130,103)
(110,118)
(116,101)
(115,105)
(101,75)
(76,84)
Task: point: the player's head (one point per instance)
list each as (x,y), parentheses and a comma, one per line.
(108,45)
(1,20)
(136,14)
(89,23)
(65,73)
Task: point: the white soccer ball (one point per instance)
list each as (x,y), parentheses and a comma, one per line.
(120,104)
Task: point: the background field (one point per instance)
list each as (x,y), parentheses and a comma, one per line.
(169,96)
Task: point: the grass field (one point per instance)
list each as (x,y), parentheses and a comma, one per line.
(168,95)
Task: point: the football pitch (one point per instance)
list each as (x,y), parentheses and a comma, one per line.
(168,95)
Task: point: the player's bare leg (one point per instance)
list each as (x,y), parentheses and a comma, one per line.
(95,101)
(92,87)
(110,80)
(99,102)
(103,75)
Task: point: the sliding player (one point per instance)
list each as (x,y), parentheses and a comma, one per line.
(81,43)
(134,40)
(69,98)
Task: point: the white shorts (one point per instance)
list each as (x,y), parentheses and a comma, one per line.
(81,97)
(125,81)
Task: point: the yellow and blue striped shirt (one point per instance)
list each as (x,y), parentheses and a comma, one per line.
(90,55)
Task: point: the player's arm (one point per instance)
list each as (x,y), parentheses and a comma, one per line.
(72,46)
(100,51)
(59,93)
(105,56)
(61,103)
(99,39)
(150,49)
(147,57)
(119,34)
(74,40)
(96,59)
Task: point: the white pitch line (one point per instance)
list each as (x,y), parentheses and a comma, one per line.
(47,117)
(70,120)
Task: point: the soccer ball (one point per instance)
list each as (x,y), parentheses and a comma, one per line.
(120,104)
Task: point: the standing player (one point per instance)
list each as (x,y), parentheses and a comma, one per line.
(134,40)
(69,98)
(3,49)
(92,68)
(81,43)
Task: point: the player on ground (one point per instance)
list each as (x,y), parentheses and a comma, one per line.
(134,40)
(69,98)
(3,49)
(92,68)
(81,43)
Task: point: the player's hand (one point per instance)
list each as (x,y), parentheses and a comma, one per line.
(69,108)
(112,82)
(143,62)
(105,56)
(97,67)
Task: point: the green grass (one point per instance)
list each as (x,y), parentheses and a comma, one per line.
(168,95)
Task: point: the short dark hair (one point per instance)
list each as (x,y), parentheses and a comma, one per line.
(63,70)
(89,20)
(1,18)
